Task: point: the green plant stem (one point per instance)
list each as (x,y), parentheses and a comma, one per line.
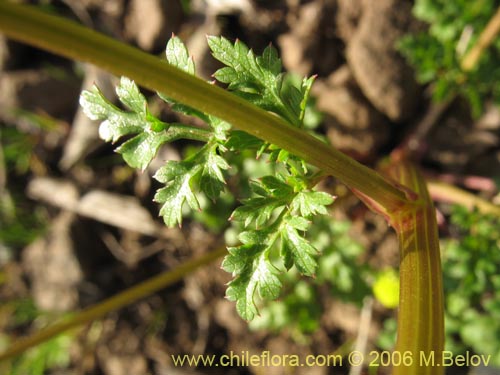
(66,38)
(122,299)
(181,131)
(421,305)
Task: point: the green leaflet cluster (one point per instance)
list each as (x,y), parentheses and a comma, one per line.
(201,172)
(299,308)
(471,278)
(275,218)
(259,79)
(436,53)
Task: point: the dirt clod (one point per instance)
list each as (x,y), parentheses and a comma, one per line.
(353,124)
(149,22)
(381,72)
(54,290)
(35,90)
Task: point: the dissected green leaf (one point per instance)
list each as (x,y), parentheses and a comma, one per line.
(239,257)
(254,273)
(270,60)
(202,172)
(306,86)
(178,177)
(129,94)
(299,309)
(151,132)
(140,150)
(271,195)
(258,210)
(279,210)
(309,203)
(178,56)
(212,179)
(117,123)
(259,79)
(220,128)
(296,249)
(240,140)
(243,295)
(277,214)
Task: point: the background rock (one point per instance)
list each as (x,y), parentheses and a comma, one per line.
(149,23)
(36,90)
(347,15)
(45,259)
(353,124)
(311,46)
(381,72)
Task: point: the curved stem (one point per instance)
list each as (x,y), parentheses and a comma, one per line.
(71,40)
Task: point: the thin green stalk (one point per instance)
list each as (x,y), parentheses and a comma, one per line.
(449,193)
(487,37)
(122,299)
(68,39)
(181,131)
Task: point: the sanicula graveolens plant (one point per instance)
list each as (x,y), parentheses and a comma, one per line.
(400,196)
